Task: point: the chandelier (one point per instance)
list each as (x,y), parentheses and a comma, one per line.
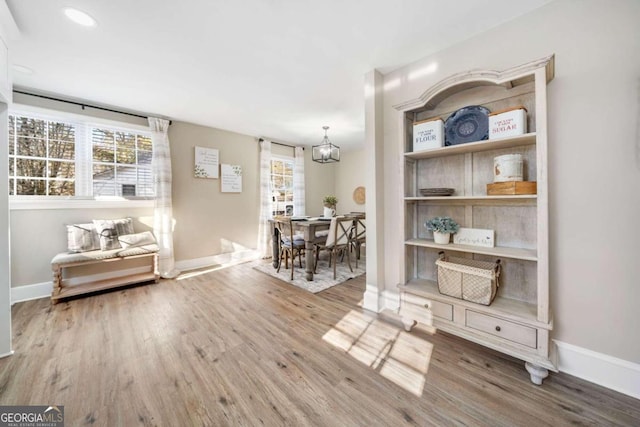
(325,152)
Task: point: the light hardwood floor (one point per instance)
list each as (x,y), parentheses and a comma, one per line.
(237,347)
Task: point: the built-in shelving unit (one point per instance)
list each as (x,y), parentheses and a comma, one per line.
(518,321)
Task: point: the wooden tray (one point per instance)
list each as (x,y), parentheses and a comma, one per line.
(512,188)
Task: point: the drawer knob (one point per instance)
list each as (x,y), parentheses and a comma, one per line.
(426,306)
(498,328)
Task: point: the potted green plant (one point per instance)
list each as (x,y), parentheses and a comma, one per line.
(329,203)
(442,228)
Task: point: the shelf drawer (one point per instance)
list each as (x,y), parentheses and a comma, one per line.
(520,334)
(418,303)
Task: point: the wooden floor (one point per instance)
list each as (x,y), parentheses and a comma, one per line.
(237,347)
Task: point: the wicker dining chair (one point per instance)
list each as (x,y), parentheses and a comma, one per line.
(290,244)
(337,242)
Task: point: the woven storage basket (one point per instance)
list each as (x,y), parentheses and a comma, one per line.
(468,279)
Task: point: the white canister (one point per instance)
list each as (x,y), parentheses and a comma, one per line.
(428,134)
(507,168)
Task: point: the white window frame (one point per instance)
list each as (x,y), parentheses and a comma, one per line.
(281,158)
(83,188)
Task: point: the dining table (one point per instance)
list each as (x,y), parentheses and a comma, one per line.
(310,226)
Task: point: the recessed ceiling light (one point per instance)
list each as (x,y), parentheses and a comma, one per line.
(79,17)
(22,69)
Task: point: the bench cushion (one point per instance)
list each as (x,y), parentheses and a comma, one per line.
(64,258)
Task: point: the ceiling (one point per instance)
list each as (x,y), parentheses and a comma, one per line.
(279,69)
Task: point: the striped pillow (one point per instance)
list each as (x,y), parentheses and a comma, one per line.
(82,238)
(109,229)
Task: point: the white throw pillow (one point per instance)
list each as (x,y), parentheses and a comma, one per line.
(109,230)
(82,238)
(137,239)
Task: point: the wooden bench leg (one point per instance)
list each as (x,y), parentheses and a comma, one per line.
(57,279)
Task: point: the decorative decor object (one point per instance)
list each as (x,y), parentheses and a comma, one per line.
(474,237)
(442,228)
(433,192)
(206,163)
(325,152)
(512,188)
(428,134)
(468,124)
(231,181)
(507,168)
(329,203)
(468,279)
(359,195)
(510,122)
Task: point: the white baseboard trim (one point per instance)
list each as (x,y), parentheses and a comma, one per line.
(391,299)
(30,292)
(602,369)
(220,259)
(6,354)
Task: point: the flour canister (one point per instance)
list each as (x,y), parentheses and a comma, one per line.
(507,168)
(428,134)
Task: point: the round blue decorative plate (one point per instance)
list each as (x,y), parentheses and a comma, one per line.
(468,124)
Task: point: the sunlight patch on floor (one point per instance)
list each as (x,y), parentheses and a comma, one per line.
(216,267)
(397,355)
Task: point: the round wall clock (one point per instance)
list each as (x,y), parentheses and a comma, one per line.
(359,195)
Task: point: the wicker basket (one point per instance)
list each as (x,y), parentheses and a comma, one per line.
(468,279)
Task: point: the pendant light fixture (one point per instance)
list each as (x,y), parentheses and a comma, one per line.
(325,152)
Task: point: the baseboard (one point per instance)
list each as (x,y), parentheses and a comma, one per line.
(220,259)
(6,354)
(43,290)
(391,299)
(30,292)
(602,369)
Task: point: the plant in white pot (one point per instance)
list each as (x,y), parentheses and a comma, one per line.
(329,203)
(442,228)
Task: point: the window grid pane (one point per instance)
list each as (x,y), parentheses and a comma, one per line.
(282,187)
(122,164)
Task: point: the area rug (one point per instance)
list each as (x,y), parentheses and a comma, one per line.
(321,281)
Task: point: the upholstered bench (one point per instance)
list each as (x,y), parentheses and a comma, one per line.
(124,258)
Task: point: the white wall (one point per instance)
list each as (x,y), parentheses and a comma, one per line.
(349,174)
(594,158)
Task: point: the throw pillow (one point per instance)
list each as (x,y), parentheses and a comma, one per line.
(137,239)
(82,238)
(109,229)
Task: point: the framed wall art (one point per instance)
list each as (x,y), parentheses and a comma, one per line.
(206,163)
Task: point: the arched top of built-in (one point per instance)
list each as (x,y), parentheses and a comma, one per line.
(459,82)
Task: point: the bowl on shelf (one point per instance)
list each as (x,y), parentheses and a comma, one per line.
(433,192)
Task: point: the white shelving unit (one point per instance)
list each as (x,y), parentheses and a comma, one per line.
(519,320)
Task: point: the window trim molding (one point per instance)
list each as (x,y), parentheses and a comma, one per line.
(17,203)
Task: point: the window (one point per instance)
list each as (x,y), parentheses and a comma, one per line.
(282,186)
(41,157)
(51,157)
(121,163)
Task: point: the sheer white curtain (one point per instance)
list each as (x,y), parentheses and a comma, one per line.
(264,228)
(163,212)
(298,182)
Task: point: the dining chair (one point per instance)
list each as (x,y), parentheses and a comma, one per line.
(290,244)
(358,237)
(337,242)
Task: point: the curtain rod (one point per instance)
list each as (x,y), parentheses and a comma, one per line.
(81,104)
(279,143)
